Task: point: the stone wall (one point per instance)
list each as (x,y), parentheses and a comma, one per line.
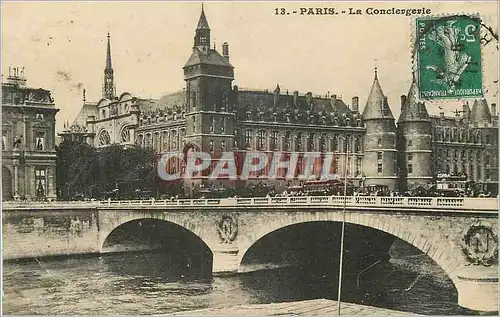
(34,233)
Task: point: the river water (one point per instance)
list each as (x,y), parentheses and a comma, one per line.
(151,283)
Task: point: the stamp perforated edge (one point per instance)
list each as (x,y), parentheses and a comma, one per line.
(414,60)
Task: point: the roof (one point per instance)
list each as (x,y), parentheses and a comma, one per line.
(412,110)
(202,22)
(480,111)
(261,106)
(376,105)
(211,57)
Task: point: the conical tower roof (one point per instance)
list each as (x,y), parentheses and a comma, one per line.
(376,105)
(202,22)
(480,111)
(413,110)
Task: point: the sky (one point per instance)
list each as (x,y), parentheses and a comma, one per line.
(62,46)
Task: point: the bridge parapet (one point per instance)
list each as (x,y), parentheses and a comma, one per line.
(442,203)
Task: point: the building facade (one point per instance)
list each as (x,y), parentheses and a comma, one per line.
(211,114)
(28,140)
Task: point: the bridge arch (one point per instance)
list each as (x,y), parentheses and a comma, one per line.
(117,219)
(438,252)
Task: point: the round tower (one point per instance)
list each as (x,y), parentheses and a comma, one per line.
(380,166)
(414,143)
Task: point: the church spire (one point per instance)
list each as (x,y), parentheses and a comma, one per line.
(108,89)
(202,37)
(108,54)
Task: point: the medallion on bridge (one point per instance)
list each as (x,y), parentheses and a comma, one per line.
(227,228)
(480,245)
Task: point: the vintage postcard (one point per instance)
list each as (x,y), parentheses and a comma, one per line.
(250,158)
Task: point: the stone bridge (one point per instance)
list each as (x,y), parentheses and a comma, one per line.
(459,234)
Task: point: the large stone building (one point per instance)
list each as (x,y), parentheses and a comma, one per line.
(214,116)
(28,140)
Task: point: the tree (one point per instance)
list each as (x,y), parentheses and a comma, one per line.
(84,171)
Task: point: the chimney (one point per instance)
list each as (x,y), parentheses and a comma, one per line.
(355,104)
(276,98)
(225,50)
(403,101)
(466,111)
(296,98)
(494,109)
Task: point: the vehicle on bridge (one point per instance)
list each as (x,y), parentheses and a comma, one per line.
(327,187)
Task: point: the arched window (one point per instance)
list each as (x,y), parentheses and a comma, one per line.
(104,138)
(165,140)
(125,135)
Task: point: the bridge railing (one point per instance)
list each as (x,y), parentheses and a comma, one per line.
(356,201)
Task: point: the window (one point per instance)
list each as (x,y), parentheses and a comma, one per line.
(379,156)
(379,168)
(357,144)
(410,168)
(104,138)
(410,157)
(40,182)
(359,161)
(298,147)
(379,142)
(274,140)
(223,126)
(223,146)
(286,146)
(165,141)
(103,113)
(193,97)
(261,139)
(211,146)
(335,143)
(125,135)
(409,143)
(212,125)
(310,142)
(248,139)
(322,143)
(149,140)
(39,116)
(4,141)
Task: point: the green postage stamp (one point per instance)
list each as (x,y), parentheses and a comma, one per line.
(448,57)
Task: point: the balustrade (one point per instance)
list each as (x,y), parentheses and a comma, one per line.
(450,203)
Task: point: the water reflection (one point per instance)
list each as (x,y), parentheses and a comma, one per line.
(155,283)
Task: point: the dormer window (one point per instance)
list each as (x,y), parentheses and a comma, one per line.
(39,116)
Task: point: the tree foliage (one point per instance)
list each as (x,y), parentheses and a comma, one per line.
(87,172)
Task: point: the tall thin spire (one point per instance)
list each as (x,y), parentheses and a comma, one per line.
(108,88)
(202,37)
(108,54)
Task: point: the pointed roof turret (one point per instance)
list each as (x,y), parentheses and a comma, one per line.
(480,111)
(376,104)
(108,55)
(412,109)
(202,22)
